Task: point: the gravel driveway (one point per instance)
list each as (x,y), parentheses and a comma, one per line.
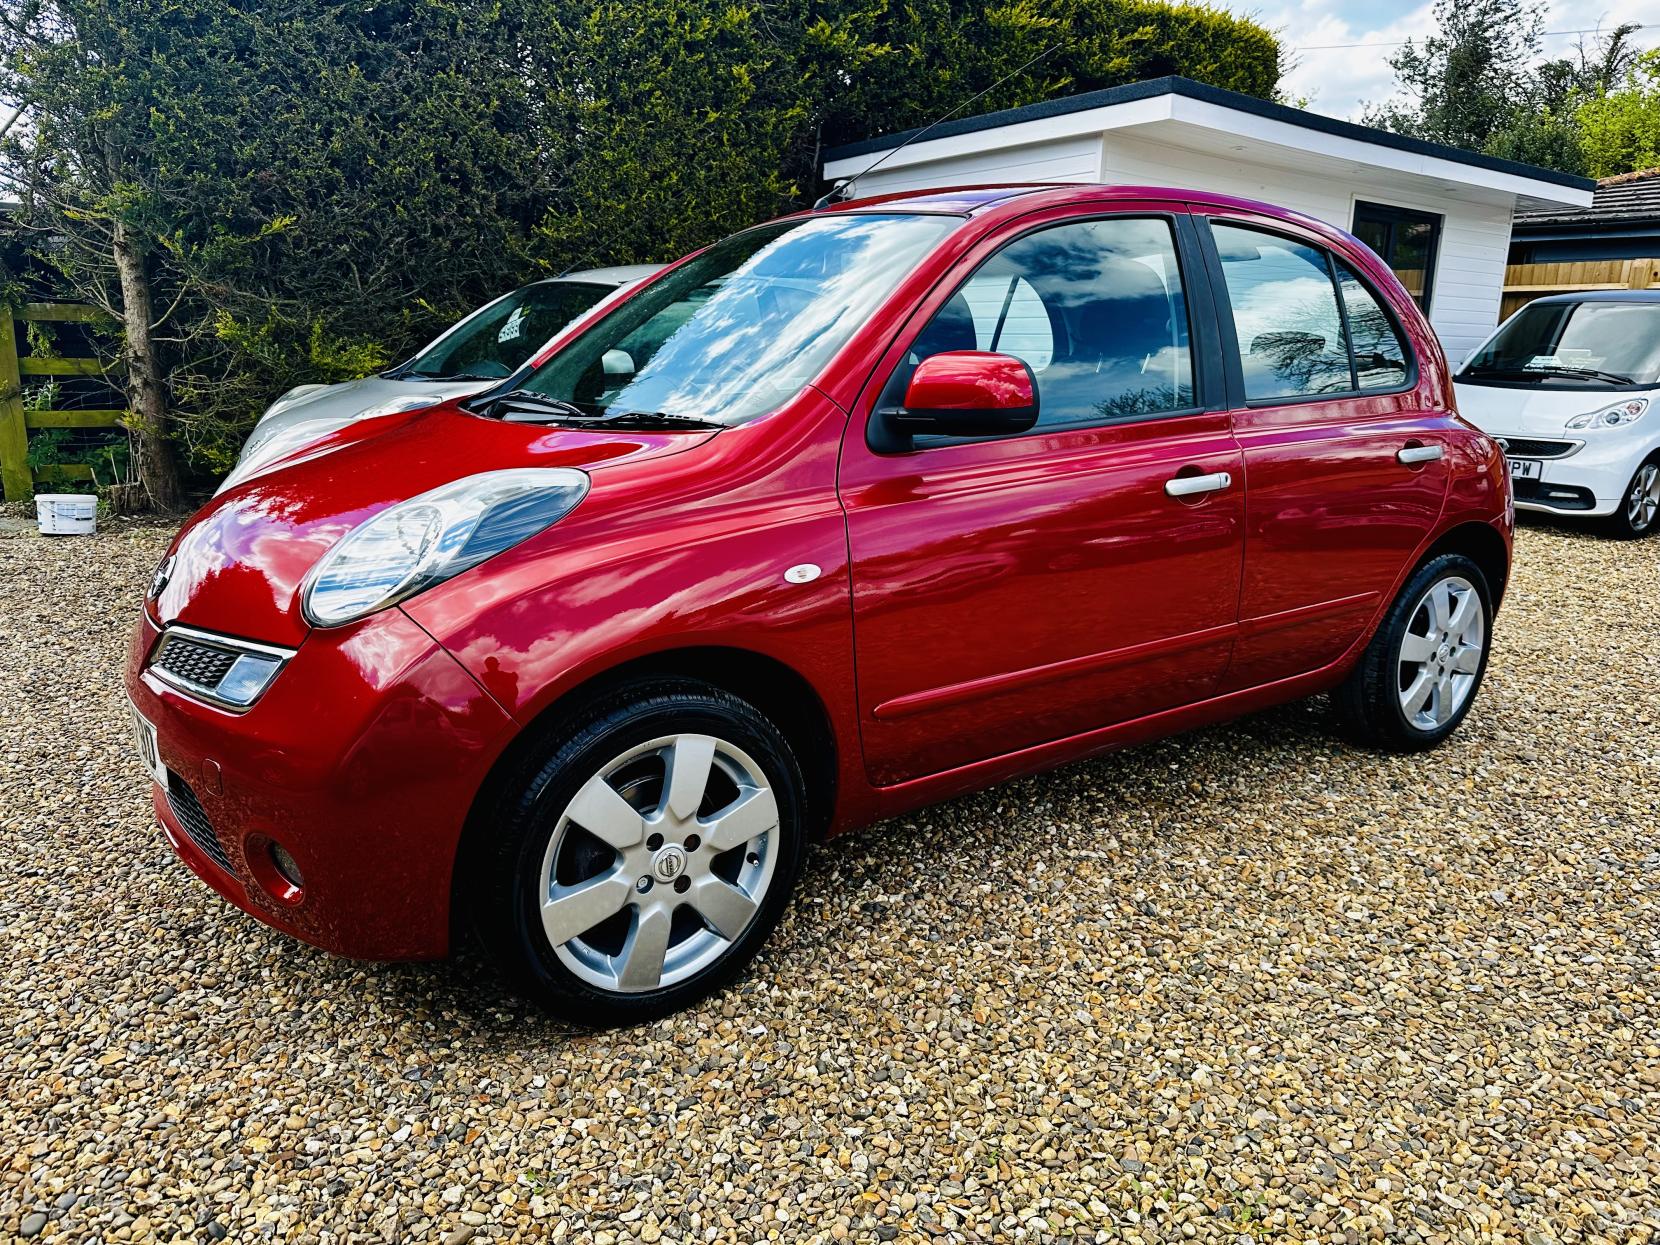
(1248,984)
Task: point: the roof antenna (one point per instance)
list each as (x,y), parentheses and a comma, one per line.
(837,193)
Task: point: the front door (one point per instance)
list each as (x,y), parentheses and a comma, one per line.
(1012,591)
(1343,447)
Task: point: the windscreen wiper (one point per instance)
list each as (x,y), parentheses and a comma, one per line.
(1577,373)
(535,406)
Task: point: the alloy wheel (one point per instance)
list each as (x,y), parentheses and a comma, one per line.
(1643,502)
(659,863)
(1441,652)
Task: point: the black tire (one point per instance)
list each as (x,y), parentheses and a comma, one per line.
(1368,703)
(505,894)
(1622,525)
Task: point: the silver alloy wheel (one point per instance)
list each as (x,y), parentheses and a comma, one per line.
(1441,652)
(1644,501)
(659,863)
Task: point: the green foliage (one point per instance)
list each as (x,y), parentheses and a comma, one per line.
(1475,83)
(315,188)
(1621,130)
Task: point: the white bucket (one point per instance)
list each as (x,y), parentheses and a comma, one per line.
(66,514)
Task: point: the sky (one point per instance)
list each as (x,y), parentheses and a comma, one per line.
(1339,81)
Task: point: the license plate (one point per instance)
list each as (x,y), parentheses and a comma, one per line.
(1525,468)
(145,735)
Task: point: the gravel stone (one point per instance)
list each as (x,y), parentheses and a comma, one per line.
(1246,985)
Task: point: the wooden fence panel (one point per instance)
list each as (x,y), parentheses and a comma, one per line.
(16,478)
(1525,282)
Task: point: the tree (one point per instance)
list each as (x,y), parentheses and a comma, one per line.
(1463,83)
(1621,130)
(265,192)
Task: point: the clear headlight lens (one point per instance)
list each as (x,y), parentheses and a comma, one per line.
(1616,416)
(415,544)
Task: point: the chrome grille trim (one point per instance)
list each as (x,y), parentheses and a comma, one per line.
(1537,447)
(196,662)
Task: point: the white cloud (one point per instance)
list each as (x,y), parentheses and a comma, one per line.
(1340,81)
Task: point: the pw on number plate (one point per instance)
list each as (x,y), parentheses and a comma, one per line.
(1525,468)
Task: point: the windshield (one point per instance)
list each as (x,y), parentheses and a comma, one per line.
(743,327)
(1590,345)
(495,340)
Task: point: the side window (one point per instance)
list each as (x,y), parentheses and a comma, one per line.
(1095,308)
(1380,354)
(1285,315)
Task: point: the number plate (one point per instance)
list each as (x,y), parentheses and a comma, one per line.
(1525,468)
(145,735)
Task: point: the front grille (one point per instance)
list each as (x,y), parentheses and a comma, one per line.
(228,672)
(188,809)
(1525,447)
(196,662)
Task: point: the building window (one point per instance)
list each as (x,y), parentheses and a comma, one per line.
(1405,240)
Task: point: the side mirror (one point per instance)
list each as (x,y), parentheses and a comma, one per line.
(967,393)
(617,363)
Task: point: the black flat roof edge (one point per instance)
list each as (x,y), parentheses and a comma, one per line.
(1211,95)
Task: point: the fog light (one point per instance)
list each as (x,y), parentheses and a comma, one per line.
(285,865)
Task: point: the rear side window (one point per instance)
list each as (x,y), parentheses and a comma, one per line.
(1285,315)
(1380,354)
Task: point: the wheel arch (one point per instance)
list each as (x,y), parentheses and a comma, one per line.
(1480,543)
(780,692)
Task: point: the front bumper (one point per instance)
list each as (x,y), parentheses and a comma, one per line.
(1590,482)
(361,760)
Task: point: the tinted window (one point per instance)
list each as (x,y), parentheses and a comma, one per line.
(1095,308)
(495,340)
(1380,354)
(1285,315)
(1593,345)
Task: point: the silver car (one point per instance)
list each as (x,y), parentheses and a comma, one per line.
(469,357)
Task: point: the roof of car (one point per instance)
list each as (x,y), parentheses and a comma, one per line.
(1603,296)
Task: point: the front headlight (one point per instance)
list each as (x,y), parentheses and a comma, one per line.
(1616,416)
(415,544)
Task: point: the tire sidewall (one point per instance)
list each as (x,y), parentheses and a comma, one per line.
(510,919)
(1394,632)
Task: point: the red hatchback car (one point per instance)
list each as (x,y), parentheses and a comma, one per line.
(848,513)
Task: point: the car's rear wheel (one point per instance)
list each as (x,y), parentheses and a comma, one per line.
(1419,675)
(645,856)
(1639,511)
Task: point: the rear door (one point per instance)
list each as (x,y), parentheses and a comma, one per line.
(1015,590)
(1343,438)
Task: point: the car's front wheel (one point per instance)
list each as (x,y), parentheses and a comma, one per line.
(1639,511)
(1419,675)
(642,859)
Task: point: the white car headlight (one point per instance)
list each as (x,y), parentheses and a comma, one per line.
(1616,416)
(415,544)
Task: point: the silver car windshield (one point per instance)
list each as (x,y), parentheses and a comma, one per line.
(497,339)
(1592,344)
(744,326)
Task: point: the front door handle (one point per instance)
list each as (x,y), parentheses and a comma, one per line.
(1420,454)
(1187,486)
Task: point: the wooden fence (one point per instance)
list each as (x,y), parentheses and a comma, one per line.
(1525,282)
(15,474)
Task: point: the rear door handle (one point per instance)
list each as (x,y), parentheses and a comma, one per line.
(1420,454)
(1187,486)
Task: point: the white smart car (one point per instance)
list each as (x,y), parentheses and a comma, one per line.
(1569,386)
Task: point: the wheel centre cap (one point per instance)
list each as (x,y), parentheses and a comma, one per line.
(669,862)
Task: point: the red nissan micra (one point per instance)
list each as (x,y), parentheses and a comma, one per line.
(847,513)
